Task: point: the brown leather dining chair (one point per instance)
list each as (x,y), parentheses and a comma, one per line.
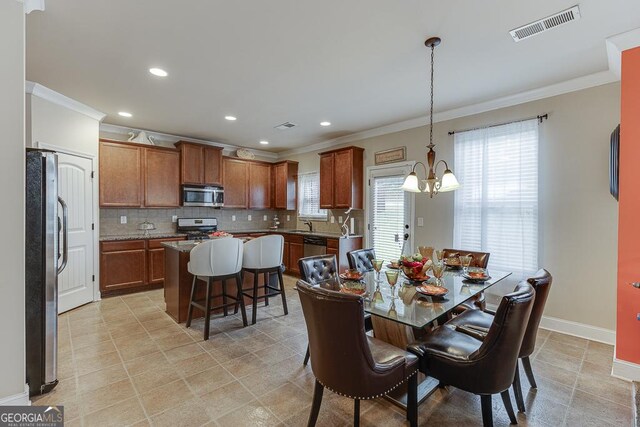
(361,260)
(481,367)
(477,323)
(323,269)
(346,360)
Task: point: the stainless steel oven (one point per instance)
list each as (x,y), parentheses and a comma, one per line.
(212,197)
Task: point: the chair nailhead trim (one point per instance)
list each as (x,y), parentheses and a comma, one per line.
(370,397)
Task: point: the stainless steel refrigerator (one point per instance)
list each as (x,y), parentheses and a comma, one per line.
(45,258)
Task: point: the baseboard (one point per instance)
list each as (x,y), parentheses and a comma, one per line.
(20,399)
(625,370)
(581,330)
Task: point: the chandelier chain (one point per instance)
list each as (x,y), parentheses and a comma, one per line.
(431,106)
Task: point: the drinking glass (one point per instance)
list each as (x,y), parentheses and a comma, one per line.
(439,255)
(377,266)
(392,278)
(377,295)
(438,270)
(465,261)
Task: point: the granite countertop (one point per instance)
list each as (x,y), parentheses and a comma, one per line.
(140,236)
(181,245)
(168,235)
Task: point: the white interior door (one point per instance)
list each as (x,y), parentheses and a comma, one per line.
(75,283)
(390,212)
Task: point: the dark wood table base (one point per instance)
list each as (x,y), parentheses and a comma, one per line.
(426,387)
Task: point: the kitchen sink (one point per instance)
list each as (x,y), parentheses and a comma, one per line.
(301,231)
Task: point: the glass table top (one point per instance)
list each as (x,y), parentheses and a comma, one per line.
(411,308)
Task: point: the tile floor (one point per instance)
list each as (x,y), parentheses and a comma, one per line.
(123,361)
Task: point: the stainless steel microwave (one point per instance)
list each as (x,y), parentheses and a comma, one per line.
(212,197)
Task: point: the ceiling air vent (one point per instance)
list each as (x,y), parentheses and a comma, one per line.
(546,24)
(286,125)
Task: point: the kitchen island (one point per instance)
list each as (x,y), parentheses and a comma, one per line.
(178,281)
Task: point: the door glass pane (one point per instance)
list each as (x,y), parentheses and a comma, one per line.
(388,216)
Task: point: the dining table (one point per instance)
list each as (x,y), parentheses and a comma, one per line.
(400,313)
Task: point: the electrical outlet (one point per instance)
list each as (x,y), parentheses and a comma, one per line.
(123,219)
(420,222)
(340,219)
(248,217)
(174,218)
(233,217)
(333,219)
(264,217)
(288,217)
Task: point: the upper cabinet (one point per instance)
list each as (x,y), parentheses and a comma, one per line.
(260,185)
(201,164)
(342,178)
(120,176)
(285,185)
(235,177)
(134,175)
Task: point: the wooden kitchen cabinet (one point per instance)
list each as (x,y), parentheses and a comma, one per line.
(123,265)
(200,164)
(340,248)
(285,185)
(296,251)
(161,178)
(259,185)
(120,172)
(341,178)
(235,177)
(155,259)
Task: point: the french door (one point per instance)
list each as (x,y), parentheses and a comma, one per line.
(390,211)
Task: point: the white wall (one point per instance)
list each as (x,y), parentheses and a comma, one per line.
(12,170)
(578,216)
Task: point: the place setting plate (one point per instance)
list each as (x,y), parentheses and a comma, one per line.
(432,290)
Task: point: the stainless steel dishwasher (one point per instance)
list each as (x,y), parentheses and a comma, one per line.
(314,245)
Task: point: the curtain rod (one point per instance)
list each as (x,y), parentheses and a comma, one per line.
(541,118)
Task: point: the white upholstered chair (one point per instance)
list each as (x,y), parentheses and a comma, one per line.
(263,255)
(213,261)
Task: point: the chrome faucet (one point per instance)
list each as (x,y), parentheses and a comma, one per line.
(308,224)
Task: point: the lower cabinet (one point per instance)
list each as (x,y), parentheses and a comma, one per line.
(131,265)
(296,251)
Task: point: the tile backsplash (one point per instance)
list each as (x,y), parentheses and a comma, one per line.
(162,218)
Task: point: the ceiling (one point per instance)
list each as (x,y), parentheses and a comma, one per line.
(359,64)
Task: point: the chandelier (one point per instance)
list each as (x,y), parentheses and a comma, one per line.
(432,184)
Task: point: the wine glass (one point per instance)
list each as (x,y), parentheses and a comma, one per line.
(377,266)
(438,270)
(392,278)
(439,255)
(465,261)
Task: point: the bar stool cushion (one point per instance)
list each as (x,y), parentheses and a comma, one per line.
(263,252)
(216,257)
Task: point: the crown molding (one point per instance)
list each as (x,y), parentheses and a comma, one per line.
(616,45)
(573,85)
(36,89)
(170,138)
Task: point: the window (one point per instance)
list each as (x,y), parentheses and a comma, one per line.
(309,197)
(496,208)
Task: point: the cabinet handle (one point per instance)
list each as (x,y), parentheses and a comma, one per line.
(635,284)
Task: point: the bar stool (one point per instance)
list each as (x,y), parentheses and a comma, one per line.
(211,261)
(263,255)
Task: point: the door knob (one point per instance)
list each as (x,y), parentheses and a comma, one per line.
(635,284)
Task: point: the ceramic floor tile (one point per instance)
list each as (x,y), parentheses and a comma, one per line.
(251,414)
(226,399)
(124,413)
(162,398)
(187,414)
(206,381)
(107,395)
(285,400)
(605,410)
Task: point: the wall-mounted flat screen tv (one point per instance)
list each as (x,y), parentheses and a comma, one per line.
(614,162)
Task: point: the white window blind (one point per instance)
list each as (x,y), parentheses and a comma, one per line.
(496,208)
(309,196)
(388,216)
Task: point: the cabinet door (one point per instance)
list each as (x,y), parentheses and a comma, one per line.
(236,181)
(120,175)
(212,166)
(285,257)
(280,186)
(122,269)
(161,178)
(259,186)
(326,181)
(342,172)
(192,164)
(156,265)
(296,251)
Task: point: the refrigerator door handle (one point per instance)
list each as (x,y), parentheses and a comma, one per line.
(65,245)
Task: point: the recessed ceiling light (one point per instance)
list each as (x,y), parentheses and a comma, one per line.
(158,72)
(325,123)
(124,114)
(231,118)
(263,142)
